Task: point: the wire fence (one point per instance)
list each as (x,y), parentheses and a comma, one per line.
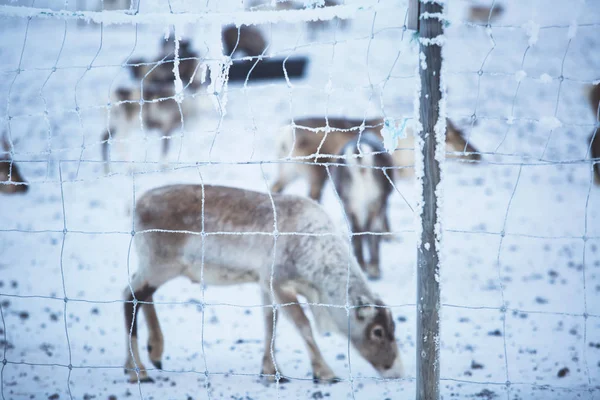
(519,251)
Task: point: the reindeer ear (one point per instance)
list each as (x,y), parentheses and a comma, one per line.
(364,308)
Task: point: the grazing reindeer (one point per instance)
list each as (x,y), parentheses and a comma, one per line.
(322,146)
(594,99)
(364,190)
(11,180)
(314,264)
(247,40)
(159,111)
(160,71)
(485,14)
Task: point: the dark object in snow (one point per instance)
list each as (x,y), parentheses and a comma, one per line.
(401,319)
(53,396)
(486,394)
(495,333)
(23,315)
(340,356)
(243,39)
(476,365)
(317,395)
(112,397)
(541,300)
(272,68)
(563,372)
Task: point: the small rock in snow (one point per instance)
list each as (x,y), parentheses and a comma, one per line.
(476,365)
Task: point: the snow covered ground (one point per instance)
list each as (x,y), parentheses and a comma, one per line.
(523,226)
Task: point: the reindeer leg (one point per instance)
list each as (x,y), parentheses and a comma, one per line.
(165,149)
(141,292)
(357,241)
(268,365)
(386,225)
(317,181)
(595,153)
(105,150)
(373,269)
(321,371)
(155,339)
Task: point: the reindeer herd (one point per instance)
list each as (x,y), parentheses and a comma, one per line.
(186,230)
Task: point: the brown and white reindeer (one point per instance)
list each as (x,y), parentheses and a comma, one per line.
(323,146)
(364,190)
(594,99)
(11,180)
(315,264)
(159,111)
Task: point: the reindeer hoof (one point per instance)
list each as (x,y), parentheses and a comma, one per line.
(157,364)
(332,380)
(144,379)
(269,378)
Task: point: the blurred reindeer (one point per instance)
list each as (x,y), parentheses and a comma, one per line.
(160,71)
(159,111)
(364,190)
(594,99)
(11,180)
(322,146)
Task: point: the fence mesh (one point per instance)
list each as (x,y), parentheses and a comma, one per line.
(519,276)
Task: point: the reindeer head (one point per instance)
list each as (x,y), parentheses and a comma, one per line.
(372,334)
(10,175)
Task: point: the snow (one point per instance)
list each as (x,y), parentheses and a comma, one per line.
(545,78)
(541,258)
(532,30)
(423,61)
(520,75)
(572,30)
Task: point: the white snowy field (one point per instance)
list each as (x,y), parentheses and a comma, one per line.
(521,229)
